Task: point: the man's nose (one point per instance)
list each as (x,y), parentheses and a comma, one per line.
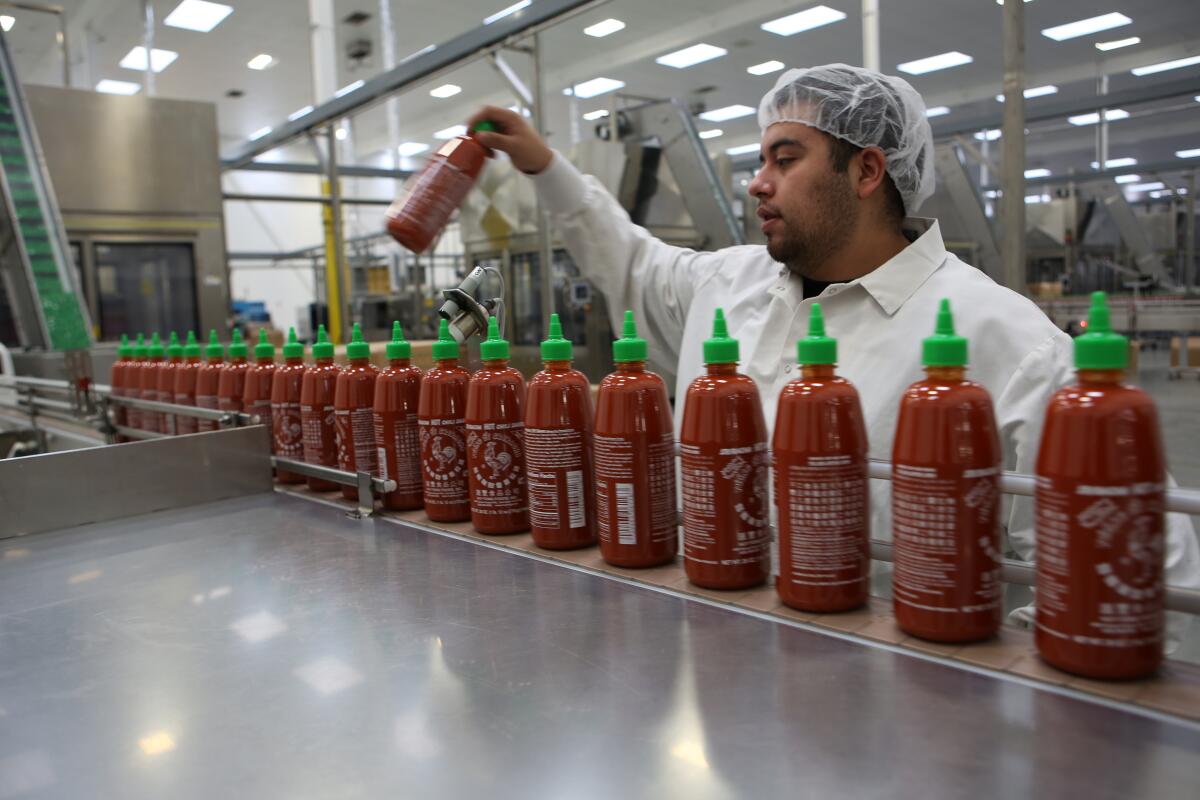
(760,187)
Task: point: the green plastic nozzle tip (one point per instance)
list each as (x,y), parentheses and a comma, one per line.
(322,347)
(264,348)
(358,347)
(721,348)
(493,347)
(174,348)
(398,347)
(192,348)
(1100,347)
(629,347)
(293,348)
(139,347)
(124,350)
(155,348)
(485,125)
(214,348)
(554,346)
(237,346)
(445,347)
(816,348)
(945,348)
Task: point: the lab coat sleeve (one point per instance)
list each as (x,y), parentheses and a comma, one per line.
(632,268)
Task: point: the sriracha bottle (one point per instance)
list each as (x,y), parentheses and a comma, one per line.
(724,468)
(208,380)
(397,396)
(232,385)
(946,463)
(442,424)
(256,394)
(821,487)
(148,382)
(317,389)
(185,383)
(431,196)
(119,382)
(135,417)
(558,449)
(496,441)
(1099,517)
(166,381)
(635,460)
(286,430)
(353,401)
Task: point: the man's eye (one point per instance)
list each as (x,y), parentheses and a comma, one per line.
(783,162)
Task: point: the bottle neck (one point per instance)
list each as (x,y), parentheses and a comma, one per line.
(814,371)
(194,360)
(946,373)
(556,366)
(400,363)
(359,362)
(216,360)
(496,363)
(155,359)
(293,361)
(722,369)
(321,362)
(447,363)
(237,360)
(265,360)
(631,366)
(176,360)
(1107,377)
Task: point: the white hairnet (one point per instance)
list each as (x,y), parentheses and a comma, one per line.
(865,109)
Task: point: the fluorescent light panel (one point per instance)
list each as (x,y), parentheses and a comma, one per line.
(7,22)
(1195,153)
(989,136)
(765,68)
(261,61)
(599,113)
(691,56)
(1086,27)
(1036,91)
(451,132)
(1111,115)
(406,149)
(1039,172)
(597,86)
(159,59)
(514,8)
(805,20)
(197,15)
(604,28)
(711,133)
(935,63)
(1130,178)
(1144,187)
(1118,43)
(298,113)
(118,87)
(445,90)
(743,149)
(937,111)
(1116,163)
(1178,63)
(726,113)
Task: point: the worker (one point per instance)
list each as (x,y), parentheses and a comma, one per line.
(846,160)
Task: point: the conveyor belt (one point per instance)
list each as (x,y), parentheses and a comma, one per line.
(268,646)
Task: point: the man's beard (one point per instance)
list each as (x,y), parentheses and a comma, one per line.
(824,228)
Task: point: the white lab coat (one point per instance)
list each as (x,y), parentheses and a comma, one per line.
(1015,352)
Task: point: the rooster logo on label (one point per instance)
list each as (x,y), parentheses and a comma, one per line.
(494,466)
(749,477)
(441,453)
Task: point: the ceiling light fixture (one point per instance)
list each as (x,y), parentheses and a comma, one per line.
(7,22)
(1116,163)
(727,113)
(1086,27)
(599,113)
(935,63)
(407,149)
(1110,115)
(1039,172)
(514,8)
(690,56)
(604,28)
(805,20)
(1116,43)
(197,15)
(743,149)
(261,61)
(595,86)
(159,59)
(1144,187)
(988,136)
(937,111)
(765,68)
(1178,63)
(1127,178)
(118,87)
(1188,153)
(445,90)
(711,133)
(1036,91)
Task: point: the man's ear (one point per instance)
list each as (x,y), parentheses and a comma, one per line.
(871,172)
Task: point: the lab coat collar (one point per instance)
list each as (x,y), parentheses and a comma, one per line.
(894,281)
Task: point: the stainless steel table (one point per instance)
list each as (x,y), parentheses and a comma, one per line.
(271,647)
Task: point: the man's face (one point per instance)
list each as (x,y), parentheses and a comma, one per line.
(808,210)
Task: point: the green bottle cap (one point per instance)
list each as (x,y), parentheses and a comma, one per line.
(155,348)
(192,348)
(237,347)
(629,347)
(445,347)
(322,347)
(124,350)
(555,347)
(293,348)
(139,347)
(358,347)
(816,348)
(493,348)
(174,348)
(214,348)
(398,347)
(944,348)
(721,348)
(485,125)
(264,348)
(1100,348)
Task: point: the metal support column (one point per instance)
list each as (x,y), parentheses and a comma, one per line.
(1102,127)
(335,248)
(1190,279)
(1012,204)
(870,34)
(545,248)
(148,45)
(323,42)
(387,33)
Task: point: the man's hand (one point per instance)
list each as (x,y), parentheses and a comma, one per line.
(513,135)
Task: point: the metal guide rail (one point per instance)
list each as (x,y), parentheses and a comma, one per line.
(370,488)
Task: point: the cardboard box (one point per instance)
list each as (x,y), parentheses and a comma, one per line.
(1048,290)
(422,353)
(1193,351)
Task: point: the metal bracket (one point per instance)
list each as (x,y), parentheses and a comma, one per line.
(366,497)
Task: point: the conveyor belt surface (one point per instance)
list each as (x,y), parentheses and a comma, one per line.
(272,647)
